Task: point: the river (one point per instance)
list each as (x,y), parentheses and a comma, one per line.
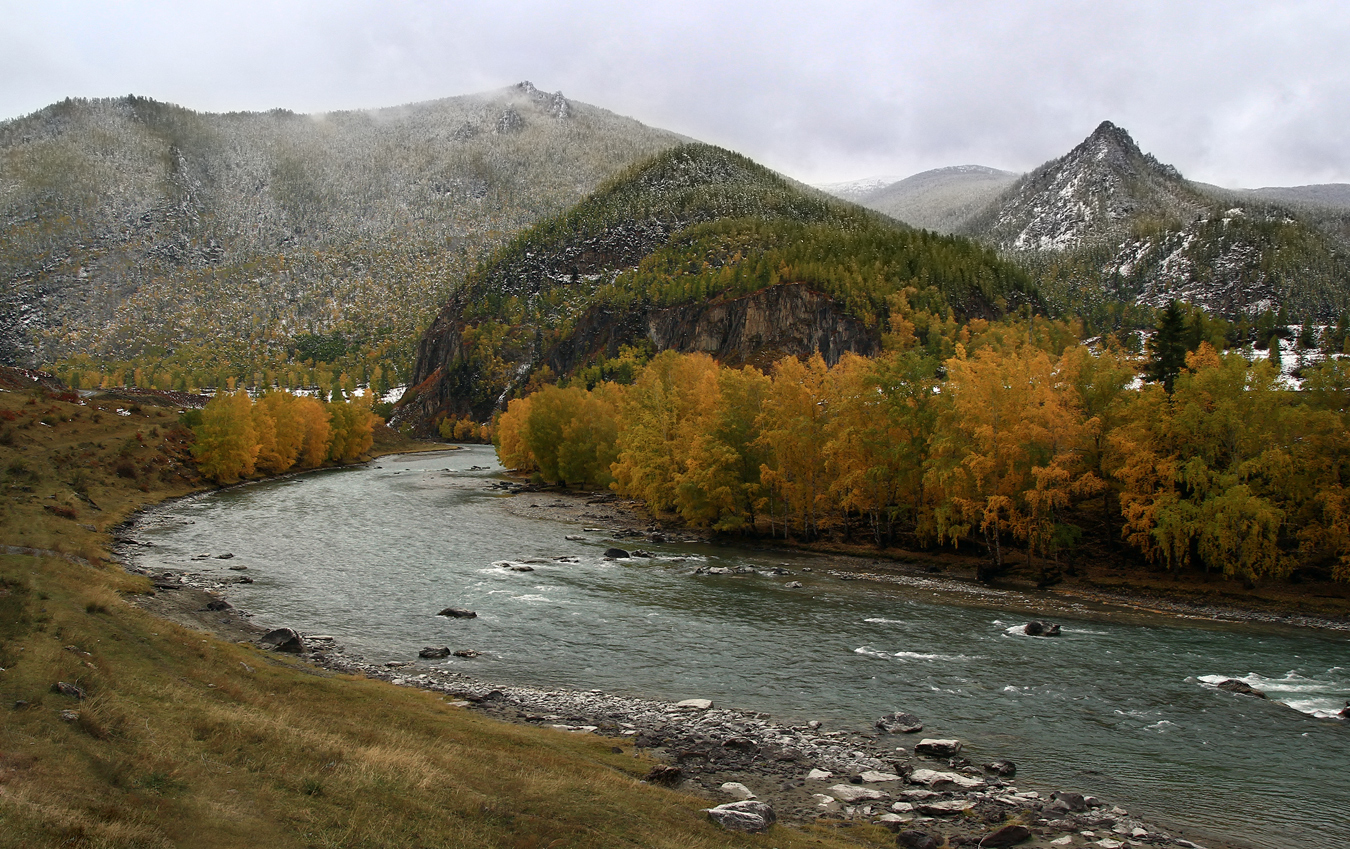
(1121,708)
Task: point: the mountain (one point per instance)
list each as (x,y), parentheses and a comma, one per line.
(697,249)
(1108,221)
(139,230)
(941,200)
(855,190)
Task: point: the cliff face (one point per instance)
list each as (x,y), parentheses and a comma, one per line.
(757,329)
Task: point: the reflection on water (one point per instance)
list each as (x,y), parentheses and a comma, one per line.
(1128,712)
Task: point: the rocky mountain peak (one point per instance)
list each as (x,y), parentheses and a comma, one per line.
(1088,196)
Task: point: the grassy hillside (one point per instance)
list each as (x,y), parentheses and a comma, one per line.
(183,739)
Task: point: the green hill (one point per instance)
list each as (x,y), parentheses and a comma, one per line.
(696,249)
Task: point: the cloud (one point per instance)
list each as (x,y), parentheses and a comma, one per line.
(1248,93)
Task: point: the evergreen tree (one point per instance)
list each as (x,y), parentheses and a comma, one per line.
(1167,348)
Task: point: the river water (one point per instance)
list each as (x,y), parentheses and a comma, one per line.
(1124,709)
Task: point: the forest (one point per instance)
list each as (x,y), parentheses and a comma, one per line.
(238,437)
(1015,438)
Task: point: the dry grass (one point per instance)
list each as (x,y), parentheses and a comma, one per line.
(184,740)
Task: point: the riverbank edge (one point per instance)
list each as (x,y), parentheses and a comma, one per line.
(891,564)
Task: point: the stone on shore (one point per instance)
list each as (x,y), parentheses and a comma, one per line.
(283,639)
(819,774)
(933,778)
(664,774)
(851,793)
(458,613)
(1004,769)
(737,789)
(872,776)
(900,723)
(747,815)
(434,652)
(1233,685)
(947,808)
(1008,835)
(934,748)
(695,704)
(915,840)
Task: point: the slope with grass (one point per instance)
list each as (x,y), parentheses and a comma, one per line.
(697,249)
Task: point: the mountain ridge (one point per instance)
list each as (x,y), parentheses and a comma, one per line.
(132,226)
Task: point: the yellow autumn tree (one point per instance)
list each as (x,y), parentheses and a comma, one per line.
(226,445)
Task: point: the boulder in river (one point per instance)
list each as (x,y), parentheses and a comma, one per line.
(616,554)
(458,613)
(434,652)
(900,723)
(1345,711)
(465,653)
(1233,685)
(1003,769)
(283,639)
(938,748)
(1037,628)
(748,815)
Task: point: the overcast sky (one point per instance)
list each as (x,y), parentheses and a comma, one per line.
(1234,93)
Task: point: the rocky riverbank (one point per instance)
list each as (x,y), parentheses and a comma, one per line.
(894,777)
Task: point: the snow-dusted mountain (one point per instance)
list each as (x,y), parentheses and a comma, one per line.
(857,190)
(130,226)
(943,199)
(1107,215)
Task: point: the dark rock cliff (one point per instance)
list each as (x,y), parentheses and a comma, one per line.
(757,329)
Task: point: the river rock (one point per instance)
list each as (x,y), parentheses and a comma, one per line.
(1003,769)
(433,652)
(916,840)
(695,704)
(737,789)
(1233,685)
(575,538)
(900,723)
(851,793)
(793,585)
(616,554)
(1345,711)
(458,613)
(819,775)
(871,776)
(938,748)
(1008,835)
(283,639)
(1065,802)
(947,808)
(1036,628)
(217,604)
(747,815)
(933,778)
(465,653)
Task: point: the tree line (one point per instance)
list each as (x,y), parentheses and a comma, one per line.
(1013,436)
(238,437)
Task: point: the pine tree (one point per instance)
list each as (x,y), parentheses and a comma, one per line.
(1167,348)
